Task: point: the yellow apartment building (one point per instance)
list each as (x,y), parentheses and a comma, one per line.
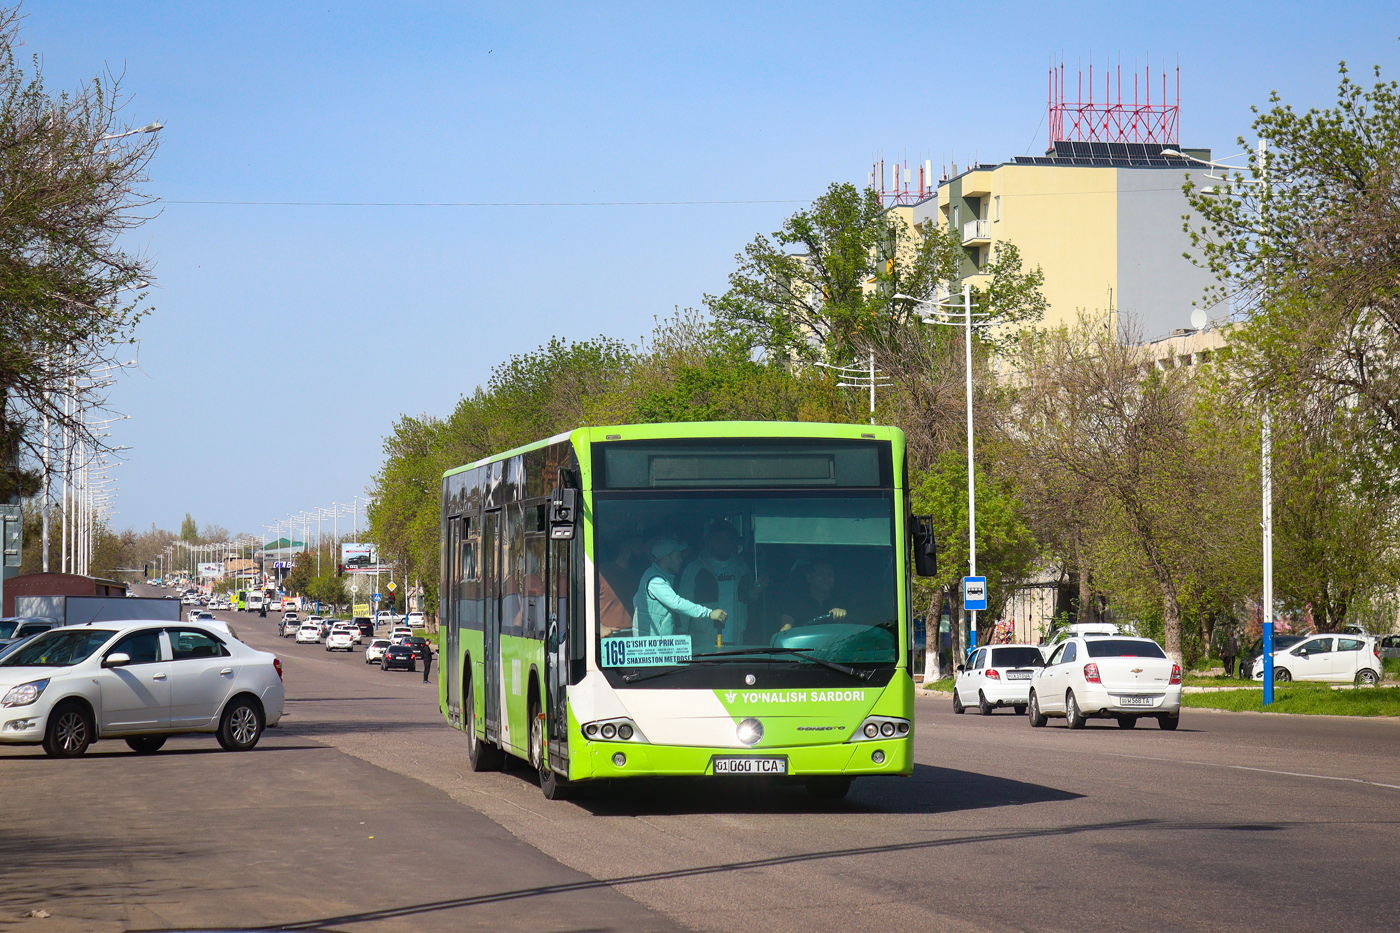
(1103,220)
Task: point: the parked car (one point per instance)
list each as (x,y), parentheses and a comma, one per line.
(415,620)
(1390,646)
(399,657)
(287,628)
(1342,659)
(375,652)
(999,675)
(340,640)
(309,635)
(1107,676)
(18,628)
(384,617)
(138,680)
(1256,651)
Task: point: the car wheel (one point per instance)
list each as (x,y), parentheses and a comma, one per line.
(1073,717)
(828,788)
(1127,722)
(145,744)
(1033,711)
(69,733)
(983,706)
(1020,709)
(958,703)
(481,755)
(1366,678)
(1169,723)
(241,726)
(1281,675)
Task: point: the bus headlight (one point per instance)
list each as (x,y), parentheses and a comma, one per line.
(613,730)
(881,727)
(750,731)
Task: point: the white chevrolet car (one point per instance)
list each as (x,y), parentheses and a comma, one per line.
(1343,659)
(340,640)
(1110,676)
(375,652)
(309,634)
(141,681)
(997,675)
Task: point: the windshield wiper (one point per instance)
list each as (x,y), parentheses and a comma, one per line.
(633,677)
(739,653)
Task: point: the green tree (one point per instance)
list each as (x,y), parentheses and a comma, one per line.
(1303,242)
(189,530)
(1006,549)
(70,183)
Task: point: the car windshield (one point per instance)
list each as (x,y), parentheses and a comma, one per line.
(1017,657)
(802,577)
(58,648)
(7,628)
(1122,648)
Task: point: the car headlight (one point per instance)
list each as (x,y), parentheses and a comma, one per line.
(24,694)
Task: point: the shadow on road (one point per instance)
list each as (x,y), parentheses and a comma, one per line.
(121,751)
(501,897)
(928,790)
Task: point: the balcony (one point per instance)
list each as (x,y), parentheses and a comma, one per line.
(977,231)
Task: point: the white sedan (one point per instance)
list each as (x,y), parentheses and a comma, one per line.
(1343,659)
(399,636)
(1110,676)
(340,640)
(997,675)
(308,635)
(138,680)
(375,652)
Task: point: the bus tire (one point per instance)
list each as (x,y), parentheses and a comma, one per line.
(553,786)
(482,755)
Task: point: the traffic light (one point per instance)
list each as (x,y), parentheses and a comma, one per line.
(340,570)
(145,570)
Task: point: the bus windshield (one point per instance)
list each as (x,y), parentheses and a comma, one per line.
(691,578)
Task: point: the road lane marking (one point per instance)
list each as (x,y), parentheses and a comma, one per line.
(1212,764)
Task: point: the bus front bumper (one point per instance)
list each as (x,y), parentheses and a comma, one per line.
(600,760)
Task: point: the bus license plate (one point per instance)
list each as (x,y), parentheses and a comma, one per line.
(750,764)
(1135,701)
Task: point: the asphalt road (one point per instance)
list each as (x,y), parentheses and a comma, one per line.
(359,813)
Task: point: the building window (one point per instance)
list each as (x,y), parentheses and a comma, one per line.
(957,220)
(996,209)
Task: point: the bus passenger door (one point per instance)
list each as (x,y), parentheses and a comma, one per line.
(556,655)
(450,664)
(491,623)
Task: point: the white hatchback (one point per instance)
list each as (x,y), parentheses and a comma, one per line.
(1111,676)
(998,675)
(340,640)
(375,652)
(138,680)
(308,635)
(1343,659)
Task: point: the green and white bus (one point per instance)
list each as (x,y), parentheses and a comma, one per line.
(702,599)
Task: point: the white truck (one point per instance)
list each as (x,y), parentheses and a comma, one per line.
(255,601)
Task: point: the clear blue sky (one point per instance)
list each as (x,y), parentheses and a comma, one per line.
(286,340)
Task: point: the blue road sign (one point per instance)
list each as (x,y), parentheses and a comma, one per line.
(975,594)
(377,597)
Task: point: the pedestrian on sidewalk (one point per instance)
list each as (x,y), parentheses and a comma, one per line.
(1229,651)
(427,661)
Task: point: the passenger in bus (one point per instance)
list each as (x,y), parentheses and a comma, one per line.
(816,601)
(618,580)
(719,578)
(660,610)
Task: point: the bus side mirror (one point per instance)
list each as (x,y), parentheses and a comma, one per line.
(925,549)
(563,512)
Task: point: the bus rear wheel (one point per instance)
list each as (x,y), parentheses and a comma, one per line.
(482,755)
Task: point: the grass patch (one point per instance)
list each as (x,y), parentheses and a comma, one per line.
(1316,700)
(946,684)
(1202,680)
(1390,665)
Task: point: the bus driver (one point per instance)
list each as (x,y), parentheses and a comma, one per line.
(660,610)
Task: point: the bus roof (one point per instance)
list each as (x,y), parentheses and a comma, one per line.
(691,429)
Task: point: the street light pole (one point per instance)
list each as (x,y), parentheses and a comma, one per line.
(971,480)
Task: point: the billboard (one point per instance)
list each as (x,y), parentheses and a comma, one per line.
(356,556)
(209,571)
